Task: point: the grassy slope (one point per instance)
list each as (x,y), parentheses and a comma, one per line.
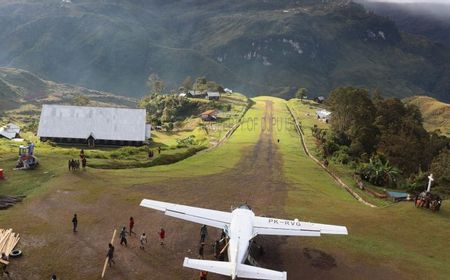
(306,114)
(436,114)
(392,236)
(207,162)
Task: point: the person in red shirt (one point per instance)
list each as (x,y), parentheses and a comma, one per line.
(203,275)
(131,225)
(162,235)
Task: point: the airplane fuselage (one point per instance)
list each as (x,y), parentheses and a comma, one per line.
(240,233)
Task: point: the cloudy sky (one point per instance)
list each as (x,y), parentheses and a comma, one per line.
(439,9)
(413,1)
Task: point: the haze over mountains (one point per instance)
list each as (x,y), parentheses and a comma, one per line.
(428,18)
(271,46)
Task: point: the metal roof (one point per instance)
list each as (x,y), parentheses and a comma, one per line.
(213,94)
(122,124)
(398,194)
(10,130)
(323,114)
(210,112)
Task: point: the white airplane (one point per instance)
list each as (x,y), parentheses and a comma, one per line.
(241,226)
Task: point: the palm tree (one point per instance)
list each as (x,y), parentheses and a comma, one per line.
(380,172)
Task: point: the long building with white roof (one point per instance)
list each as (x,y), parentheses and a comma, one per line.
(93,125)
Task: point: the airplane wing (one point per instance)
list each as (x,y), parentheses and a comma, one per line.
(223,268)
(202,216)
(253,272)
(273,226)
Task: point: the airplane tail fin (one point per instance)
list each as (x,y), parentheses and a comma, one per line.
(223,268)
(243,270)
(253,272)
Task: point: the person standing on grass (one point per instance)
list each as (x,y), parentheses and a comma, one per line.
(5,266)
(75,222)
(143,239)
(123,236)
(159,149)
(131,225)
(70,165)
(110,255)
(162,235)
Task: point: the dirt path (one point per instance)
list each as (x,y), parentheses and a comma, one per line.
(51,247)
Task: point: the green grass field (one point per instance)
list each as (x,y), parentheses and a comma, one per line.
(306,114)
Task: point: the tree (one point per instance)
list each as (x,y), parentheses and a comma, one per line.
(380,172)
(440,167)
(155,84)
(169,126)
(188,83)
(353,115)
(403,141)
(200,84)
(301,93)
(80,100)
(213,86)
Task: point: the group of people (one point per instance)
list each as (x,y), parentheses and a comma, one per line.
(219,245)
(428,200)
(123,240)
(75,164)
(124,233)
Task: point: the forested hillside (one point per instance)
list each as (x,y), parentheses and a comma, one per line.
(271,47)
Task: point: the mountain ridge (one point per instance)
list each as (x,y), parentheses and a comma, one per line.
(271,47)
(22,88)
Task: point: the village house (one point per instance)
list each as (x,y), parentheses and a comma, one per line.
(319,99)
(93,125)
(323,115)
(212,95)
(10,131)
(196,94)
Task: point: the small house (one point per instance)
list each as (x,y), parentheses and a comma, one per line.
(319,99)
(227,90)
(196,94)
(210,115)
(212,95)
(10,131)
(323,115)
